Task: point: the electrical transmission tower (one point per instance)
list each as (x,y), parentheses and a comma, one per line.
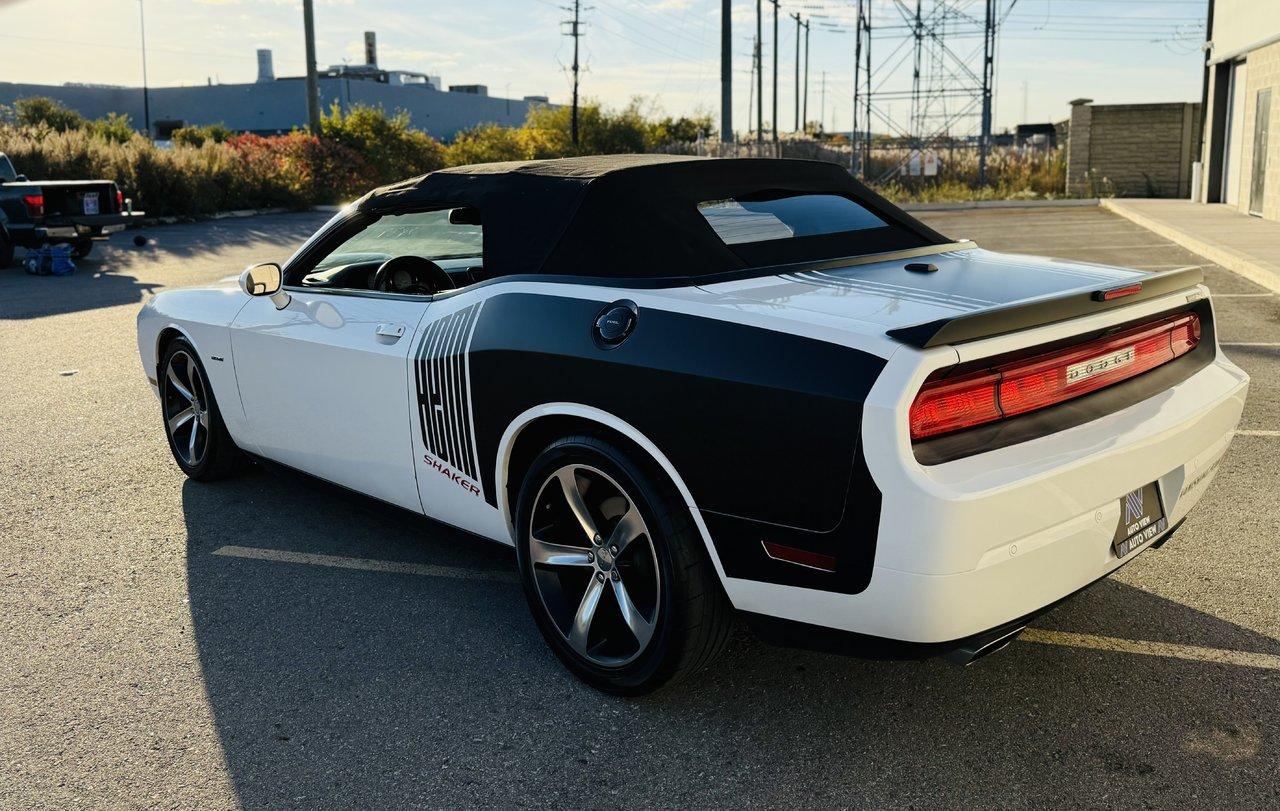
(936,58)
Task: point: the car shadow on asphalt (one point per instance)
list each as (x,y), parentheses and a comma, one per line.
(110,276)
(330,685)
(92,286)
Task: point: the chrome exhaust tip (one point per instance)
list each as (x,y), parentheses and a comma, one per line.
(980,648)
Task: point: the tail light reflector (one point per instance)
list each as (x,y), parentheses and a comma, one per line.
(119,200)
(35,204)
(946,405)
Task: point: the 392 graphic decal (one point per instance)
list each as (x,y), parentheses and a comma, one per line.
(444,406)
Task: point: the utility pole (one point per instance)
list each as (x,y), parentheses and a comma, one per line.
(313,84)
(774,124)
(726,72)
(759,74)
(822,116)
(576,33)
(796,17)
(146,92)
(988,74)
(804,110)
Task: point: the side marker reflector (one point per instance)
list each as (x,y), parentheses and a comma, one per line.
(800,557)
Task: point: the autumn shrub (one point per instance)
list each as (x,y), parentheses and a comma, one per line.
(385,142)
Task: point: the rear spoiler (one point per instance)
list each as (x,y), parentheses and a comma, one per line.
(1038,312)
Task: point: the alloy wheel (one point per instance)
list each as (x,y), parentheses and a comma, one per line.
(186,408)
(594,565)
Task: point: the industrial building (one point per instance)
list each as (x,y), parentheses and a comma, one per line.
(1240,155)
(273,105)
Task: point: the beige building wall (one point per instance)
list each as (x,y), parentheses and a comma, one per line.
(1264,74)
(1240,25)
(1249,31)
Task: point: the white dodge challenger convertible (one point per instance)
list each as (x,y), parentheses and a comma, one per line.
(684,388)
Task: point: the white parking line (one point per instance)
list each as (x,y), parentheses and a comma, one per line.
(1194,653)
(1256,432)
(363,564)
(1249,343)
(1243,295)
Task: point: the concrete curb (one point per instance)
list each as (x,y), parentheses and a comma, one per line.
(151,222)
(1229,258)
(965,205)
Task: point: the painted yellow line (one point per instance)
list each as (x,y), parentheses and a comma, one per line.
(1194,653)
(362,564)
(1255,432)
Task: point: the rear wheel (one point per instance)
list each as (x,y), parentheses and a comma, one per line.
(615,571)
(192,422)
(81,248)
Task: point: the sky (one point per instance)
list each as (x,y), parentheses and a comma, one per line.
(1051,51)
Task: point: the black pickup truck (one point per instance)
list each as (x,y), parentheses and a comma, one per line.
(52,212)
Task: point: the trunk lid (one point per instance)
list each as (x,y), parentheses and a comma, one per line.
(971,286)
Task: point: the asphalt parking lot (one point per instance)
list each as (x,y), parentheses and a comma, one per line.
(150,657)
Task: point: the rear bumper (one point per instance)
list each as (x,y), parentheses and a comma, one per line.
(72,228)
(974,544)
(792,634)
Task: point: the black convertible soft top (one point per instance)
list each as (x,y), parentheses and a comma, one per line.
(636,216)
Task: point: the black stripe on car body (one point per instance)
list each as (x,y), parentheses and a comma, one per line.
(762,426)
(444,398)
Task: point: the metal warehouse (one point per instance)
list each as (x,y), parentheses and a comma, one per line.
(272,105)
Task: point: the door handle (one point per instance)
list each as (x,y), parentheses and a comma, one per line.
(389,330)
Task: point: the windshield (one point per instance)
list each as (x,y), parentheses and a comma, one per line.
(7,173)
(427,234)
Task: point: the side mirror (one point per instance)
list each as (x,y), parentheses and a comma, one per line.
(21,179)
(467,215)
(265,280)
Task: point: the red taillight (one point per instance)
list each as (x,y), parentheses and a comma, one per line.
(119,200)
(946,405)
(35,204)
(950,405)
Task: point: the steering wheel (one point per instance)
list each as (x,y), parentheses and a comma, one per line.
(411,274)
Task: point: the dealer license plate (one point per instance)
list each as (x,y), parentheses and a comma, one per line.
(91,202)
(1141,519)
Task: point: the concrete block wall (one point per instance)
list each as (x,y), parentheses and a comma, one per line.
(1133,150)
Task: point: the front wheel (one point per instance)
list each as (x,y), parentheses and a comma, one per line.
(192,422)
(614,569)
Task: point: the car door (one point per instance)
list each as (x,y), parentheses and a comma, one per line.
(324,383)
(325,380)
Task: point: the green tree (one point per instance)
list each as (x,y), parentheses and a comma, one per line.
(199,136)
(486,143)
(116,128)
(35,111)
(386,142)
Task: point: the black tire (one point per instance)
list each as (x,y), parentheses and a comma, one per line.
(685,612)
(81,248)
(198,440)
(6,251)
